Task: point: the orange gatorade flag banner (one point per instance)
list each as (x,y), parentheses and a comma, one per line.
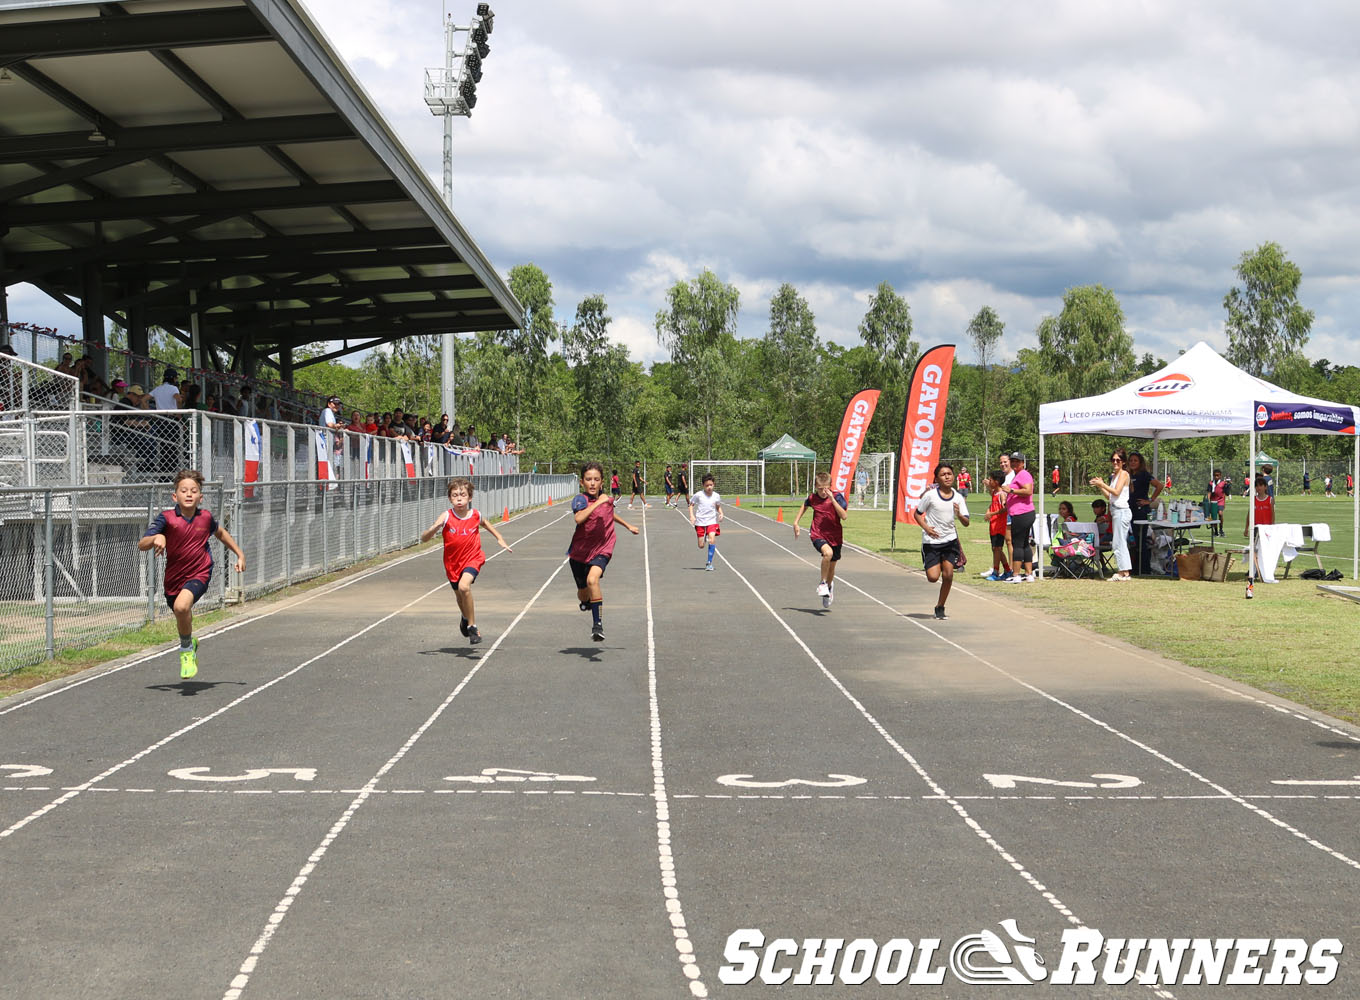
(854,425)
(922,429)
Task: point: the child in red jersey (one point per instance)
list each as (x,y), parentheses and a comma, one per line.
(828,511)
(996,528)
(592,545)
(1263,503)
(463,557)
(181,535)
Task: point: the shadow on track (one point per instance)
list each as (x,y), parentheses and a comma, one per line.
(190,688)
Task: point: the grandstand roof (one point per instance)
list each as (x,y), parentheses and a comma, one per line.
(218,155)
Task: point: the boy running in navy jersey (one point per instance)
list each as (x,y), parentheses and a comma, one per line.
(828,511)
(592,545)
(669,482)
(463,556)
(706,513)
(181,535)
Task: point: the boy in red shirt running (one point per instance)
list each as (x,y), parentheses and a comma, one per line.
(828,511)
(181,535)
(592,545)
(463,556)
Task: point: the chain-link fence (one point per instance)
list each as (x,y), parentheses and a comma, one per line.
(71,575)
(25,386)
(1190,479)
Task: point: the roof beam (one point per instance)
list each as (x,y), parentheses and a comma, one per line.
(348,290)
(245,200)
(147,139)
(102,35)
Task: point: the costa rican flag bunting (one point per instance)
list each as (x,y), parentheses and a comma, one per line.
(252,463)
(324,470)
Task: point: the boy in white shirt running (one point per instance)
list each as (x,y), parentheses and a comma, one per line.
(939,538)
(706,514)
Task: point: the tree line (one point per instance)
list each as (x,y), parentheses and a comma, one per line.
(564,389)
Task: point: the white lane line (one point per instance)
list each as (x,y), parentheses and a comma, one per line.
(242,979)
(698,795)
(1125,649)
(1100,723)
(288,605)
(105,775)
(915,765)
(684,946)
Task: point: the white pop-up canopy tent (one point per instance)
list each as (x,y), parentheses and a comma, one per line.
(1201,395)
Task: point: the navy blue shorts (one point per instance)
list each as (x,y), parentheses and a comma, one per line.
(817,544)
(933,555)
(466,569)
(581,570)
(196,587)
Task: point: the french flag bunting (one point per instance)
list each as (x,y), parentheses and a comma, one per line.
(408,459)
(323,460)
(252,463)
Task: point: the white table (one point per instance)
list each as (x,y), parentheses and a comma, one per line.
(1180,527)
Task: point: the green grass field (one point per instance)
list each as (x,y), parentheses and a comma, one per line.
(1291,639)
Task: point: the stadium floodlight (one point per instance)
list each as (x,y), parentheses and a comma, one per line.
(452,90)
(472,66)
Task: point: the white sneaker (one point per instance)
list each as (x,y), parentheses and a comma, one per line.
(823,590)
(1030,578)
(988,575)
(830,595)
(826,600)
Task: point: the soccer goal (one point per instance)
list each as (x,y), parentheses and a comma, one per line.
(731,477)
(874,480)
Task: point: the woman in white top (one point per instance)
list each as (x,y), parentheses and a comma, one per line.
(1117,489)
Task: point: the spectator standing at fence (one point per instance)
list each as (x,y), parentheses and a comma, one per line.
(166,395)
(181,534)
(1350,485)
(1143,494)
(473,441)
(66,365)
(1117,489)
(247,404)
(1307,484)
(1019,495)
(1056,477)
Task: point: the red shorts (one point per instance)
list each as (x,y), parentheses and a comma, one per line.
(700,530)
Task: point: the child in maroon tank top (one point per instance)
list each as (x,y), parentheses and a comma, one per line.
(592,544)
(181,535)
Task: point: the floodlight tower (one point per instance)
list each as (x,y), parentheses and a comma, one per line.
(451,90)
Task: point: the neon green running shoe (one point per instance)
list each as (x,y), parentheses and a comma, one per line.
(188,661)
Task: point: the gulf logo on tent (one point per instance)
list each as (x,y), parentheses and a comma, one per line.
(1262,416)
(1166,385)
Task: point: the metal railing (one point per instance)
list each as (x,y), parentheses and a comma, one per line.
(71,575)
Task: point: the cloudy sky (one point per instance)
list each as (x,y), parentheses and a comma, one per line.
(970,153)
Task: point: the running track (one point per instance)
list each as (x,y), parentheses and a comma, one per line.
(349,801)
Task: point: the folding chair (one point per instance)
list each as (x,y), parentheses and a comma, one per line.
(1076,553)
(1313,537)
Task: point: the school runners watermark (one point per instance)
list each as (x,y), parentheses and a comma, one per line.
(1085,957)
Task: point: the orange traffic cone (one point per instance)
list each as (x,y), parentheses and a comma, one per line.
(738,501)
(505,514)
(549,499)
(780,516)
